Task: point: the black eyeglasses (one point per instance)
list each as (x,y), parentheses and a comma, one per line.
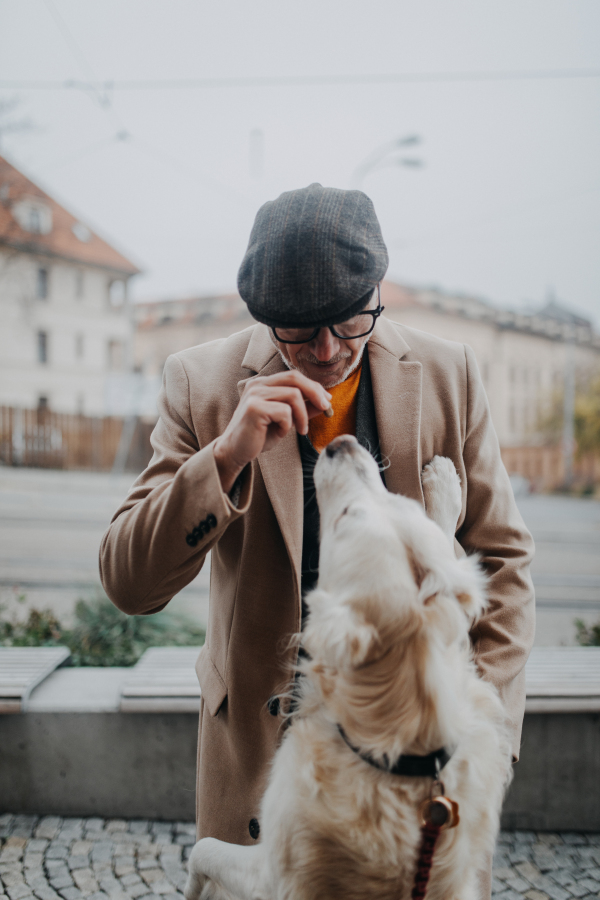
(358,326)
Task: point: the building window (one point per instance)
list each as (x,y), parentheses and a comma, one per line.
(79,279)
(116,293)
(43,403)
(116,356)
(78,346)
(42,283)
(42,346)
(33,216)
(35,220)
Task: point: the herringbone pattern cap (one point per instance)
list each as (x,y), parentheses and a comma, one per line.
(314,257)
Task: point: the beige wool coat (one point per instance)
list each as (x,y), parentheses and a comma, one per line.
(429,400)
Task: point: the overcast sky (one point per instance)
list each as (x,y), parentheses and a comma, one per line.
(506,205)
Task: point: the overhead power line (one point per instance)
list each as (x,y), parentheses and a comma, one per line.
(174,84)
(93,86)
(77,53)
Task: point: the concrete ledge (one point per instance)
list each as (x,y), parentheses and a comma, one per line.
(143,765)
(112,765)
(84,690)
(556,780)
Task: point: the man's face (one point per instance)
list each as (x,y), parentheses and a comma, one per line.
(327,358)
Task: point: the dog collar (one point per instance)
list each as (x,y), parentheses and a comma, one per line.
(416,766)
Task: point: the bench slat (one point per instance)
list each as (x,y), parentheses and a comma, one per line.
(21,669)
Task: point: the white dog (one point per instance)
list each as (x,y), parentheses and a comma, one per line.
(389,674)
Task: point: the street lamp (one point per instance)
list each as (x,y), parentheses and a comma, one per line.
(387,155)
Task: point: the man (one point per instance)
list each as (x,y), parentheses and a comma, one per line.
(241,423)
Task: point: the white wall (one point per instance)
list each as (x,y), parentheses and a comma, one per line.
(71,384)
(520,371)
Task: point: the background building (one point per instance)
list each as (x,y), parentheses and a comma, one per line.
(66,327)
(522,357)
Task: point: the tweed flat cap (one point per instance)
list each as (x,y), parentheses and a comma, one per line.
(314,258)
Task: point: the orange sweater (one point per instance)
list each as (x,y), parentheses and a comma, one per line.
(322,430)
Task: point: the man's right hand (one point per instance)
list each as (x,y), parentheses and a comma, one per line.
(270,407)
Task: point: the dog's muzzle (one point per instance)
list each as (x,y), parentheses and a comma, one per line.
(344,444)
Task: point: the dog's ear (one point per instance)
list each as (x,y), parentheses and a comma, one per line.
(336,635)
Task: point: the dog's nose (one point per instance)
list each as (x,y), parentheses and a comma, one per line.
(344,443)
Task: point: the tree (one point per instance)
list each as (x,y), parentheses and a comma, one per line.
(587,418)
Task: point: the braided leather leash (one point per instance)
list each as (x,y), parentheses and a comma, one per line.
(430,834)
(437,814)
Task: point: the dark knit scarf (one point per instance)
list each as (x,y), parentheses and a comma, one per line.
(366,434)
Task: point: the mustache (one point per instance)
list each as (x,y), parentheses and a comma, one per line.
(308,357)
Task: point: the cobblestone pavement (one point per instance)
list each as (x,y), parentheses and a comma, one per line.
(50,858)
(541,865)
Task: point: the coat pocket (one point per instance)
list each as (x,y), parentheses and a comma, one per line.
(212,686)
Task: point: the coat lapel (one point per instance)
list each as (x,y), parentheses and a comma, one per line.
(281,468)
(397,397)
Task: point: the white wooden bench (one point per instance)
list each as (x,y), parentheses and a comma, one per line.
(558,679)
(22,669)
(164,680)
(563,679)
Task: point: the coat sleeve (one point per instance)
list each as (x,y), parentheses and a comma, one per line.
(175,512)
(493,527)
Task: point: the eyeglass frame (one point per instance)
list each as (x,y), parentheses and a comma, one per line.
(375,313)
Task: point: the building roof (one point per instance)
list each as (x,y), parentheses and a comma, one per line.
(553,322)
(222,309)
(554,310)
(31,221)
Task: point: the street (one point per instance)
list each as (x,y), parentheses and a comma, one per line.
(51,523)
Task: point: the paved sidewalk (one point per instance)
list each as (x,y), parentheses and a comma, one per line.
(50,858)
(546,865)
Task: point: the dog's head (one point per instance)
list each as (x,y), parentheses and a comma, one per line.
(390,616)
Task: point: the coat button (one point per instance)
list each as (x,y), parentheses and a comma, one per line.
(273,706)
(191,539)
(211,521)
(254,829)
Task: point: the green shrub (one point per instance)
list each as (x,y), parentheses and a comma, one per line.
(101,635)
(587,637)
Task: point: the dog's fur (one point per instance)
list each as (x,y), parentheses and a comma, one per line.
(389,661)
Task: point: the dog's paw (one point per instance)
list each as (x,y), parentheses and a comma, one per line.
(441,490)
(196,881)
(194,886)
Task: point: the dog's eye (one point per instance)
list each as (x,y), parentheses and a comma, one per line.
(341,516)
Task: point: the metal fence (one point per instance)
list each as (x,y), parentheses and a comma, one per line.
(44,439)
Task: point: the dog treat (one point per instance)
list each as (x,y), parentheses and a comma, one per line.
(328,412)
